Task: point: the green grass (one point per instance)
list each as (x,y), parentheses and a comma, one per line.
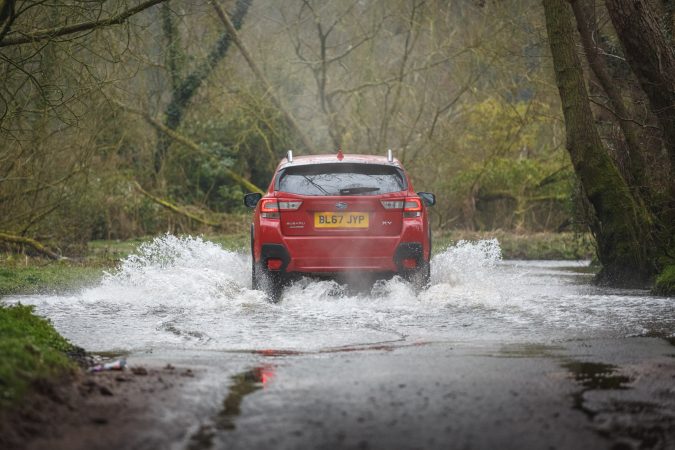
(552,246)
(110,252)
(46,277)
(30,351)
(20,274)
(232,241)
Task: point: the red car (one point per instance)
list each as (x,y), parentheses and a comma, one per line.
(339,214)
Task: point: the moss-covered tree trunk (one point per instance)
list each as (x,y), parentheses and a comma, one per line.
(598,65)
(652,59)
(648,45)
(622,228)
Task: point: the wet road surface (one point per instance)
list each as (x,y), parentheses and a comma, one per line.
(494,354)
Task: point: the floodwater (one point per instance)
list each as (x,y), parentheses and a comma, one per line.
(494,354)
(188,293)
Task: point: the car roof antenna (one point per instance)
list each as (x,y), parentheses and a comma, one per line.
(390,155)
(289,156)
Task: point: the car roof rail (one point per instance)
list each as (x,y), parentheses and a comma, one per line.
(289,156)
(390,155)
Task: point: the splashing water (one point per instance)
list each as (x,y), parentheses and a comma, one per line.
(184,292)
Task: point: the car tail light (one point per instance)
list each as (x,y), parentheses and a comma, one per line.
(392,204)
(289,205)
(409,263)
(274,263)
(413,207)
(269,208)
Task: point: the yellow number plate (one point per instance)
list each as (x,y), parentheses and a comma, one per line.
(340,220)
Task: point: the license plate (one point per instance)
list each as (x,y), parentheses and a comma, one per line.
(340,220)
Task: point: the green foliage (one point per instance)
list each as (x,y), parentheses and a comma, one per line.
(665,281)
(30,350)
(250,140)
(502,169)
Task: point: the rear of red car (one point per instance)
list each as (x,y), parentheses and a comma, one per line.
(330,215)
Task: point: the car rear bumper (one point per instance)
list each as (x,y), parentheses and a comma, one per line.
(331,254)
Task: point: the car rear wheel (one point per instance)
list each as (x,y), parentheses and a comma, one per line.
(271,283)
(420,277)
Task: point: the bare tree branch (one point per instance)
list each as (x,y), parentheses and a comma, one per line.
(50,33)
(176,136)
(276,101)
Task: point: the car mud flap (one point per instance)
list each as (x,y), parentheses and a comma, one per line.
(275,251)
(408,250)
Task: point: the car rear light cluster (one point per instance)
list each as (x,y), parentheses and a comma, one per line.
(392,204)
(411,206)
(270,207)
(289,205)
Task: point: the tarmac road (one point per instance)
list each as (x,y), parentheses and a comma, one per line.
(494,354)
(587,394)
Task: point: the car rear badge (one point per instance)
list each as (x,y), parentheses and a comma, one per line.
(341,205)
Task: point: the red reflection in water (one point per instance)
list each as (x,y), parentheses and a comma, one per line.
(263,374)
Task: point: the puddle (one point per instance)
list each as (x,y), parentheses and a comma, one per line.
(594,376)
(628,424)
(243,384)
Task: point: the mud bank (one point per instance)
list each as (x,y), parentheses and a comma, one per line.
(104,410)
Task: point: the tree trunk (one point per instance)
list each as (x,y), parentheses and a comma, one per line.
(652,59)
(636,166)
(623,227)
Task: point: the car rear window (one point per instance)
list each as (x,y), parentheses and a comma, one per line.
(341,179)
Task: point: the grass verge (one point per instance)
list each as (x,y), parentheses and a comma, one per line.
(31,351)
(551,246)
(44,276)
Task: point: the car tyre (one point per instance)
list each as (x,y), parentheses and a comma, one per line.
(420,278)
(271,283)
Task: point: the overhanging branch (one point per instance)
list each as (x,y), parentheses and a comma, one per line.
(50,33)
(35,245)
(187,142)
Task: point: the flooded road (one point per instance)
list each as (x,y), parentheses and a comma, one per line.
(494,353)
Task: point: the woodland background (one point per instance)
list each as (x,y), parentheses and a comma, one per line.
(121,119)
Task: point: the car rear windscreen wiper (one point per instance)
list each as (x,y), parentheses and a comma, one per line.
(358,190)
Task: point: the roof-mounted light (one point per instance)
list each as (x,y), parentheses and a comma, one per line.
(390,155)
(289,156)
